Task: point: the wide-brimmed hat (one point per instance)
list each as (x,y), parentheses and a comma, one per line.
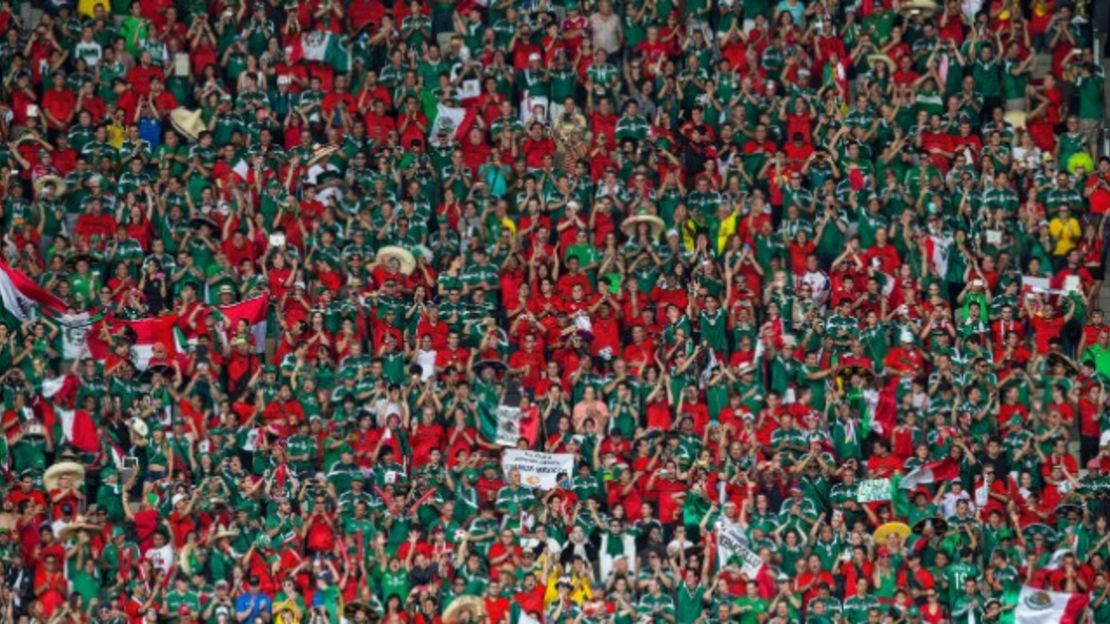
(51,181)
(351,609)
(225,532)
(321,153)
(187,123)
(196,222)
(924,8)
(1016,119)
(884,59)
(80,523)
(1048,533)
(402,255)
(139,426)
(465,609)
(55,473)
(631,224)
(938,524)
(901,529)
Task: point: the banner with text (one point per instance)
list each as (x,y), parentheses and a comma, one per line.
(732,543)
(872,490)
(537,470)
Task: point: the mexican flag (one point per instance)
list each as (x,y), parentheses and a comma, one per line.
(75,329)
(77,426)
(61,390)
(23,298)
(453,120)
(506,424)
(942,470)
(322,47)
(881,409)
(1038,606)
(146,332)
(253,311)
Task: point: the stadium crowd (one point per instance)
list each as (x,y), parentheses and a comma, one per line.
(801,295)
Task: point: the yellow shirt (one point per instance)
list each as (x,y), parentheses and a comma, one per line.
(1066,233)
(88,7)
(580,590)
(116,135)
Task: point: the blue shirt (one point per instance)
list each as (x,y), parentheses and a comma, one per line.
(257,604)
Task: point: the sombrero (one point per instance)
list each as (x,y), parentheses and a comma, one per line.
(196,222)
(188,123)
(402,255)
(882,58)
(1016,118)
(351,609)
(79,524)
(1055,357)
(901,529)
(139,426)
(77,256)
(465,610)
(49,180)
(497,365)
(1064,509)
(225,532)
(939,525)
(631,224)
(925,8)
(54,474)
(320,153)
(1045,531)
(163,369)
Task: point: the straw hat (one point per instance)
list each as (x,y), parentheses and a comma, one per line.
(56,184)
(925,8)
(465,609)
(884,59)
(139,426)
(351,609)
(631,224)
(55,473)
(884,531)
(321,153)
(225,532)
(80,523)
(1016,118)
(402,255)
(188,123)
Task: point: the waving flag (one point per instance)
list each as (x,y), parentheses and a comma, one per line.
(76,426)
(1039,606)
(454,121)
(253,311)
(146,333)
(322,47)
(932,472)
(507,424)
(22,297)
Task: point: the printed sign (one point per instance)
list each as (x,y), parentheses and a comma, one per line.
(873,490)
(537,470)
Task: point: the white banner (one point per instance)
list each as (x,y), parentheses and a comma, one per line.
(731,542)
(873,490)
(537,470)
